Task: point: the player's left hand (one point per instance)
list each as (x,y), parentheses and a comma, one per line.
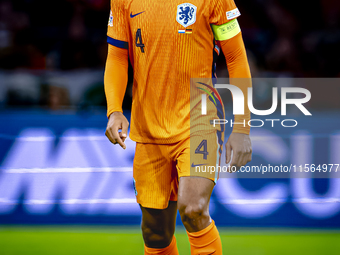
(240,145)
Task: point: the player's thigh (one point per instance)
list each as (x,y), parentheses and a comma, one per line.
(195,192)
(154,175)
(158,225)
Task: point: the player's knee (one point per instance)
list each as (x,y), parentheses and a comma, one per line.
(154,238)
(193,212)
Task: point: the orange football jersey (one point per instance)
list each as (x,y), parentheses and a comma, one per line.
(169,42)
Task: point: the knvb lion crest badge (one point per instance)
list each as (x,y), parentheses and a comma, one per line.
(186,14)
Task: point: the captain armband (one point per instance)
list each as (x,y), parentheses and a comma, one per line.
(227,30)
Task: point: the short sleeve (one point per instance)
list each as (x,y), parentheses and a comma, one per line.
(117,25)
(223,11)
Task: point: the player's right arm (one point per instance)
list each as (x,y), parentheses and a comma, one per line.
(116,74)
(115,82)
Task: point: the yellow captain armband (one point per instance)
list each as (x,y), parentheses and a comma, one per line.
(227,30)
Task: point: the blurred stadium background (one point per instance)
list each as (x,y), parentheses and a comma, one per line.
(65,189)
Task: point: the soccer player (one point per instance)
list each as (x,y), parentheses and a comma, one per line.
(168,42)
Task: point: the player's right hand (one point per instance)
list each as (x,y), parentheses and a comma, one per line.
(116,122)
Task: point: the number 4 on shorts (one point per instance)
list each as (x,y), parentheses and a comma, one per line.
(202,148)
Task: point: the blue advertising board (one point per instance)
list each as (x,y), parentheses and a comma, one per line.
(61,169)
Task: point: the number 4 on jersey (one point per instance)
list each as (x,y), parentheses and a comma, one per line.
(203,149)
(139,41)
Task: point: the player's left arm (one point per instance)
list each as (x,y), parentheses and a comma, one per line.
(229,38)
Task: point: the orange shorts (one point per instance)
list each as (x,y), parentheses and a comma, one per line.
(158,167)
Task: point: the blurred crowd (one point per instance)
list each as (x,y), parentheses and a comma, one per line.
(63,34)
(300,38)
(283,38)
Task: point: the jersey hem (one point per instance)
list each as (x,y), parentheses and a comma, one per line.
(170,140)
